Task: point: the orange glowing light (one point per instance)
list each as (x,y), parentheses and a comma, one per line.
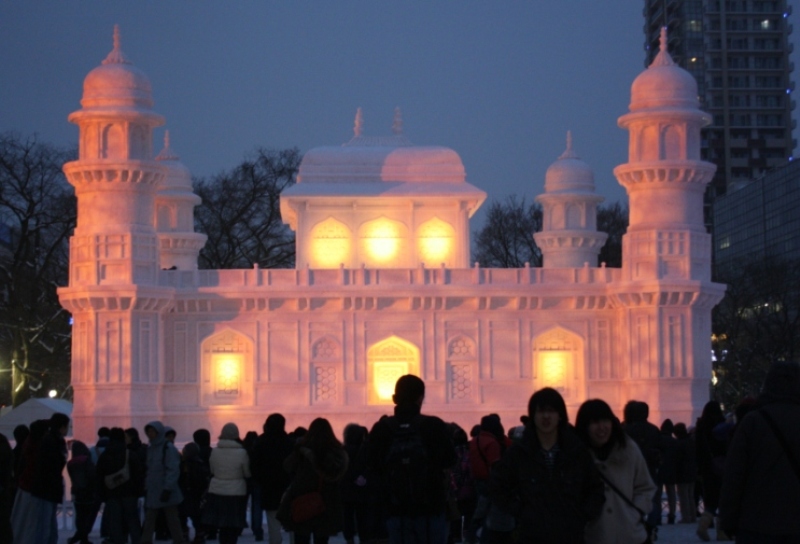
(227,373)
(382,239)
(553,368)
(435,241)
(330,244)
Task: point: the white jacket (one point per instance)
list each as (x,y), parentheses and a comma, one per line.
(230,466)
(619,523)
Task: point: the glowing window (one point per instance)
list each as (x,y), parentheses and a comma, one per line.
(227,372)
(553,368)
(386,362)
(330,244)
(557,363)
(436,241)
(382,242)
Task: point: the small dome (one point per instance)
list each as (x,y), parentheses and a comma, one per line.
(569,173)
(117,82)
(178,176)
(664,83)
(383,158)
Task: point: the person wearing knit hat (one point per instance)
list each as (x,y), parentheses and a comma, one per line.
(761,484)
(226,508)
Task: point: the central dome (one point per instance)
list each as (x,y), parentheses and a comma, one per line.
(381,159)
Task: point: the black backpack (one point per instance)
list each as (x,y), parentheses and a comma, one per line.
(406,468)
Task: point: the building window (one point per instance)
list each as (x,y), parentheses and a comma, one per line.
(436,242)
(330,244)
(387,360)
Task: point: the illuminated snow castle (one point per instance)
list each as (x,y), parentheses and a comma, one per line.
(383,284)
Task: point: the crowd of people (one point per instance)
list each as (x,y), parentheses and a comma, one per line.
(413,478)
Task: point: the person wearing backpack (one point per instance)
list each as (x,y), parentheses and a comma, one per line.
(760,496)
(161,483)
(411,454)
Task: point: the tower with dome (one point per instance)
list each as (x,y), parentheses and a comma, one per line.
(383,284)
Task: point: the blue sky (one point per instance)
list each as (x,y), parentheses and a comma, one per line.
(499,82)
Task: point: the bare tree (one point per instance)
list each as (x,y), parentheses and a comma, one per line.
(506,239)
(38,211)
(612,219)
(240,213)
(755,324)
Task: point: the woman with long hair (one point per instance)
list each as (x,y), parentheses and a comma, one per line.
(629,488)
(316,465)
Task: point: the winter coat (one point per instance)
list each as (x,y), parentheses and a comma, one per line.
(82,474)
(650,441)
(312,474)
(550,505)
(760,489)
(230,468)
(267,458)
(195,477)
(668,472)
(441,456)
(48,482)
(687,461)
(484,451)
(354,489)
(163,470)
(113,460)
(619,522)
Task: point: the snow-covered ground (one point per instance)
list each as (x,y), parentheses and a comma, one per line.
(677,533)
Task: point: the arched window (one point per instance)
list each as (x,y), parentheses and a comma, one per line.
(558,363)
(461,368)
(330,244)
(383,243)
(227,370)
(436,242)
(326,369)
(387,360)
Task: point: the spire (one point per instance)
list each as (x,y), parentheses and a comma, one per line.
(359,123)
(166,154)
(397,124)
(663,58)
(116,56)
(569,153)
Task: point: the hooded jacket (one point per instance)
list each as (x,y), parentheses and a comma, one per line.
(163,470)
(230,466)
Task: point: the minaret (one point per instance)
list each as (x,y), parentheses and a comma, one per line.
(666,251)
(113,292)
(569,237)
(179,244)
(115,177)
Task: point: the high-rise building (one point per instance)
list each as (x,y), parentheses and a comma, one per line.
(738,50)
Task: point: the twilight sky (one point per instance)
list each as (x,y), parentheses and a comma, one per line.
(499,82)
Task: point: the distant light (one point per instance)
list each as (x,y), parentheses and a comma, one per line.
(71,321)
(785,15)
(694,59)
(52,394)
(765,24)
(788,91)
(791,158)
